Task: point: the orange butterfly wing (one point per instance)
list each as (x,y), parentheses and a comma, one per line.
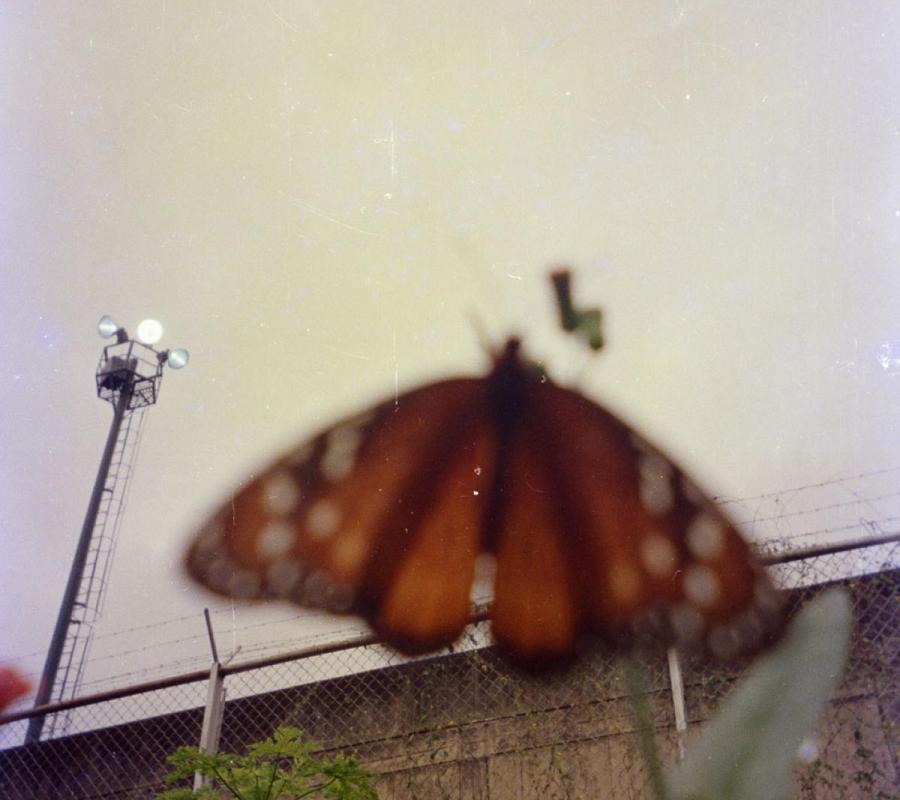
(382,514)
(628,542)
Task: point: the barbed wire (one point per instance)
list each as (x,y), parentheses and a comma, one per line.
(297,616)
(817,509)
(721,500)
(201,661)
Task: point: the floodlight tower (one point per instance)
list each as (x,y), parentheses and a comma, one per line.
(128,377)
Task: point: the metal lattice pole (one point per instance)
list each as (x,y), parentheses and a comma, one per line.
(128,377)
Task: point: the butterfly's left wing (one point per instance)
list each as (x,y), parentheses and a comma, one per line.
(381,514)
(621,538)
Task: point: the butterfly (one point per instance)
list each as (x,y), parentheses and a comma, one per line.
(592,529)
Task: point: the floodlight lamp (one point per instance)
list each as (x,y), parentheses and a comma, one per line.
(107,326)
(149,331)
(178,358)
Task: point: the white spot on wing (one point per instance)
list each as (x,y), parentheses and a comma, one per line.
(219,572)
(337,464)
(340,453)
(281,494)
(705,537)
(687,623)
(282,577)
(243,584)
(655,485)
(656,464)
(276,539)
(700,586)
(658,555)
(320,590)
(210,539)
(323,519)
(340,598)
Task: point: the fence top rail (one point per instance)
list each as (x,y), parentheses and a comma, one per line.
(801,554)
(480,614)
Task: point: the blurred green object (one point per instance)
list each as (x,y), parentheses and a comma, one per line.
(749,747)
(587,324)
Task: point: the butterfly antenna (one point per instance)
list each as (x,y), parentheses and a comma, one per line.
(587,323)
(481,332)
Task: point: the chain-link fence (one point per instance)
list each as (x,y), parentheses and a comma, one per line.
(465,725)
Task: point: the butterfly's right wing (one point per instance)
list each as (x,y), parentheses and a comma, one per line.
(627,542)
(380,514)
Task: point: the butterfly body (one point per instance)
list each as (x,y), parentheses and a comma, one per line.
(593,531)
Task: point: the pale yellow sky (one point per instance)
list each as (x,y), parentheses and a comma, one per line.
(316,199)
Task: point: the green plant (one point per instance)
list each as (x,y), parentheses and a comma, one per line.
(747,750)
(284,767)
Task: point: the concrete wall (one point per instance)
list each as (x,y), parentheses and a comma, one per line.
(465,726)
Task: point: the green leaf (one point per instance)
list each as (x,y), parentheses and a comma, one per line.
(283,767)
(747,750)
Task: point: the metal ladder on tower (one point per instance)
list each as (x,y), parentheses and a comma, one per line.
(88,605)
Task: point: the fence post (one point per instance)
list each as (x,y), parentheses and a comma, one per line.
(677,700)
(215,706)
